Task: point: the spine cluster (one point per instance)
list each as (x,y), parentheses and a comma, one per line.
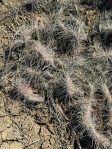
(52,63)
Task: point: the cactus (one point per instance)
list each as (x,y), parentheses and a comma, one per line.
(52,64)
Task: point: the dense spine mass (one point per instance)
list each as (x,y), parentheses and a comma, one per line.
(66,61)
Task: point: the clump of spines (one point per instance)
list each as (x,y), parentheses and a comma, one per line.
(60,73)
(88,121)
